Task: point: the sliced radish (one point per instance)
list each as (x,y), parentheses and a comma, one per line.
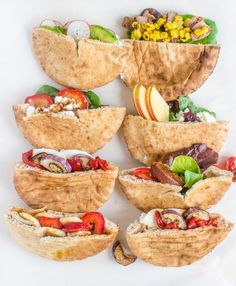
(51,23)
(78,29)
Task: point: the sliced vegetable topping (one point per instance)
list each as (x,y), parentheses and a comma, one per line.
(79,96)
(51,23)
(55,164)
(48,89)
(50,222)
(142,173)
(173,219)
(96,221)
(39,100)
(78,29)
(98,163)
(76,163)
(159,221)
(231,166)
(76,226)
(26,158)
(103,34)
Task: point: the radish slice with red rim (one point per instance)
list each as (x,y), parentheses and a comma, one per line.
(51,23)
(78,29)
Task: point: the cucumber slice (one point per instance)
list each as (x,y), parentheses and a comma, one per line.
(102,34)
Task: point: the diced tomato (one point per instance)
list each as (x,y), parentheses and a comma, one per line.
(231,166)
(26,159)
(79,96)
(172,225)
(39,100)
(50,222)
(96,220)
(195,222)
(159,222)
(98,163)
(143,173)
(76,163)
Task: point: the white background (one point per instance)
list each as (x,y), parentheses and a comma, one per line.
(20,76)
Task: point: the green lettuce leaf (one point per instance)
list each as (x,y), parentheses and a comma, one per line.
(191,178)
(49,90)
(182,163)
(56,29)
(94,99)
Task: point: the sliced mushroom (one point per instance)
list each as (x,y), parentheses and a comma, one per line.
(120,256)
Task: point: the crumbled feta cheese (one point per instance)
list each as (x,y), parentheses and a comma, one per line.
(69,106)
(30,110)
(206,117)
(148,219)
(180,115)
(58,99)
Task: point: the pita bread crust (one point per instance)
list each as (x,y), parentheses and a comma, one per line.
(148,195)
(89,131)
(176,248)
(175,69)
(89,65)
(148,140)
(60,248)
(73,192)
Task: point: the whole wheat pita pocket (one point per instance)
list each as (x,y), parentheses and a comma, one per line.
(58,248)
(89,130)
(148,140)
(146,194)
(84,65)
(175,69)
(176,247)
(73,192)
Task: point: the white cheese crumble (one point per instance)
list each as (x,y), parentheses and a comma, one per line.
(206,117)
(30,110)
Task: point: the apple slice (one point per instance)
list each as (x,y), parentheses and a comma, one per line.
(157,107)
(139,96)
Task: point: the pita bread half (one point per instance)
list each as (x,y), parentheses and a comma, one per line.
(175,69)
(73,192)
(58,248)
(84,65)
(89,130)
(176,247)
(148,140)
(147,195)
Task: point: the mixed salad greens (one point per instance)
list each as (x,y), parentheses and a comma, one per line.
(151,25)
(79,29)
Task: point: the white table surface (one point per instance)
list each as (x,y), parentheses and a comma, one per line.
(21,75)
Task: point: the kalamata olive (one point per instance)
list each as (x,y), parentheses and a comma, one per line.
(197,213)
(174,105)
(171,215)
(120,256)
(151,11)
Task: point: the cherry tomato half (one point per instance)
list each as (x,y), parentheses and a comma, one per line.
(79,96)
(143,173)
(39,100)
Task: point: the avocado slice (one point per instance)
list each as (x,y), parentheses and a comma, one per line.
(102,34)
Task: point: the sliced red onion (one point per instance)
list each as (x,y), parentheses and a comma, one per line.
(197,213)
(51,23)
(67,154)
(170,215)
(55,164)
(44,150)
(37,158)
(78,29)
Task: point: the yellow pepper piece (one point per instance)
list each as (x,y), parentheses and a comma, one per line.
(153,37)
(169,26)
(181,34)
(198,32)
(187,36)
(204,29)
(175,25)
(186,21)
(174,33)
(136,25)
(146,36)
(187,29)
(136,35)
(178,18)
(157,35)
(164,35)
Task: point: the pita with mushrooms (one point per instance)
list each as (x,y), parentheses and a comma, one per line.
(54,243)
(72,192)
(87,64)
(87,130)
(149,140)
(147,194)
(176,247)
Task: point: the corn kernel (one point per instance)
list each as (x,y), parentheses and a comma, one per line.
(136,35)
(174,33)
(164,35)
(136,25)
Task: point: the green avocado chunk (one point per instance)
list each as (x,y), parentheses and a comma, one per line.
(102,34)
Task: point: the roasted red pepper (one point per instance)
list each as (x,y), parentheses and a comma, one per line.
(26,159)
(98,163)
(142,173)
(172,225)
(231,166)
(195,222)
(159,222)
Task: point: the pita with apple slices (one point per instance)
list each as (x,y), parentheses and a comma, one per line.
(176,237)
(185,178)
(176,53)
(164,127)
(67,119)
(66,181)
(61,236)
(77,54)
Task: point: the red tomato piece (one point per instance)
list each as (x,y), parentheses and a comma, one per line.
(39,100)
(96,220)
(231,166)
(76,164)
(143,173)
(79,96)
(159,222)
(98,163)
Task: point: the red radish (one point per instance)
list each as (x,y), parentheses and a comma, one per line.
(51,23)
(78,29)
(39,100)
(79,96)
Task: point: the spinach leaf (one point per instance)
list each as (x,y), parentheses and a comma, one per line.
(56,29)
(49,90)
(94,99)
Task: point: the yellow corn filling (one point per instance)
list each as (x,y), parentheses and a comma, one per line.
(163,31)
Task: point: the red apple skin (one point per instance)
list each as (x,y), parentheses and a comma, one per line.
(148,103)
(136,101)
